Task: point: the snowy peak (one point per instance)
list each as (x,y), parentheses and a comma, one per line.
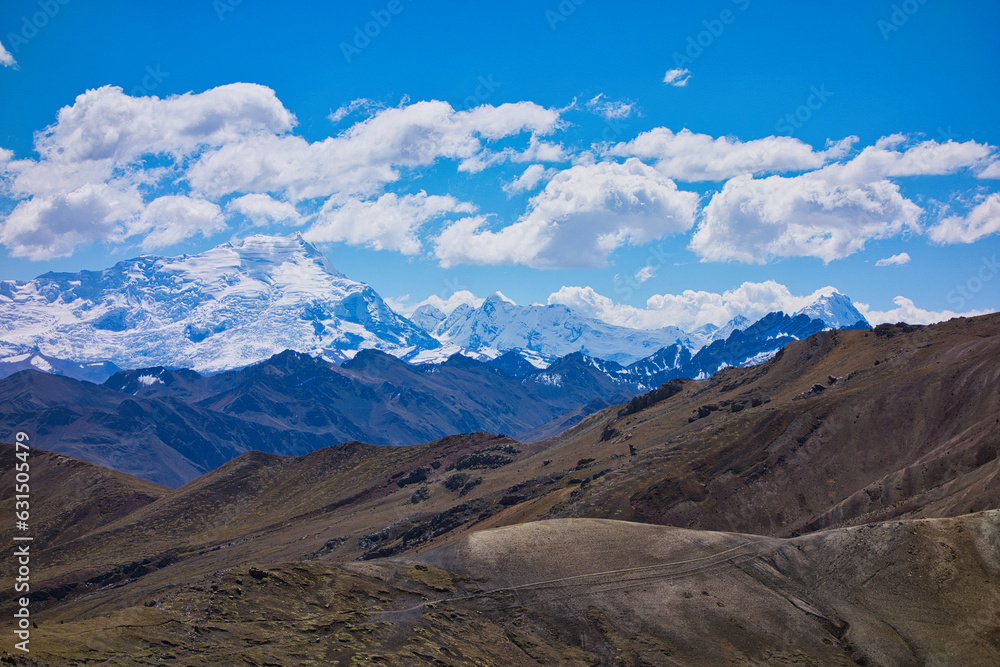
(554,331)
(231,306)
(498,297)
(835,309)
(428,317)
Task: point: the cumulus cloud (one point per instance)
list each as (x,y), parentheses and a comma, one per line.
(690,309)
(454,300)
(992,170)
(981,221)
(387,223)
(894,260)
(644,274)
(108,124)
(581,216)
(235,142)
(530,179)
(689,156)
(755,220)
(106,170)
(372,153)
(346,110)
(897,155)
(677,77)
(6,59)
(175,218)
(55,225)
(907,311)
(263,210)
(608,109)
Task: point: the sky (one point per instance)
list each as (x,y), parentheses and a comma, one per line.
(648,163)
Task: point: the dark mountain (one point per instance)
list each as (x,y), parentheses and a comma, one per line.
(752,345)
(513,364)
(170,426)
(162,439)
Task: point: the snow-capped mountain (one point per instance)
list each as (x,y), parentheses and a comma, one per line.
(547,331)
(228,307)
(836,310)
(238,304)
(96,372)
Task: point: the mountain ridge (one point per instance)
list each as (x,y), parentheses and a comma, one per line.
(240,303)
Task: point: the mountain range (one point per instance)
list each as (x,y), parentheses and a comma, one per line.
(229,307)
(241,303)
(171,425)
(834,505)
(264,345)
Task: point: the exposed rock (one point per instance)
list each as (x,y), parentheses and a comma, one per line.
(415,476)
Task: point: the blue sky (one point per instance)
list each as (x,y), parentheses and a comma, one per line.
(643,162)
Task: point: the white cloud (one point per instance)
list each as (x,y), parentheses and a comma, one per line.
(894,260)
(236,140)
(688,156)
(677,77)
(174,218)
(981,221)
(108,124)
(992,170)
(755,220)
(372,153)
(390,222)
(264,210)
(690,309)
(530,179)
(581,216)
(896,156)
(456,299)
(6,59)
(537,150)
(86,185)
(54,225)
(644,274)
(346,110)
(609,110)
(907,311)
